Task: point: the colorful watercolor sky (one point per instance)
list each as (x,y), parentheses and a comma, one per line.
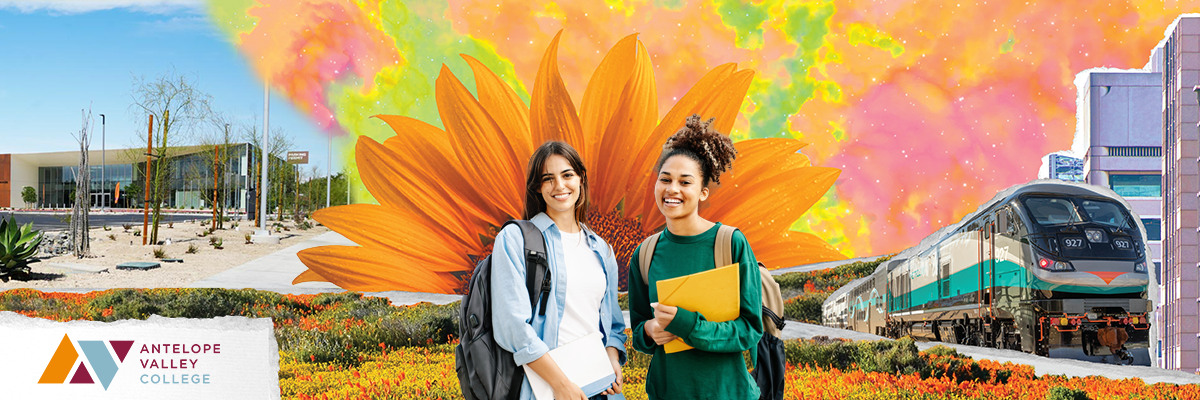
(928,107)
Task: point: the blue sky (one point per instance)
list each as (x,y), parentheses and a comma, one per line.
(58,57)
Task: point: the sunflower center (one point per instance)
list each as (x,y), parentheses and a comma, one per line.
(623,234)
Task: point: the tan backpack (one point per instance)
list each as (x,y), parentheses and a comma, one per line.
(772,299)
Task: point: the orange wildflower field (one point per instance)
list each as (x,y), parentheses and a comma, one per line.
(345,346)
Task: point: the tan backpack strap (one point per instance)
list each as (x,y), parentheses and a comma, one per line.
(723,249)
(646,254)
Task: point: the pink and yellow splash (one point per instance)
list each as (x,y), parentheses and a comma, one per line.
(928,107)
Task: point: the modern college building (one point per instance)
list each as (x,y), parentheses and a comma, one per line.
(117,177)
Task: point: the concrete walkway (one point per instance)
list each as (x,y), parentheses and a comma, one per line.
(275,272)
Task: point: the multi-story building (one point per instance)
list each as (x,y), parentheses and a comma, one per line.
(1177,58)
(189,179)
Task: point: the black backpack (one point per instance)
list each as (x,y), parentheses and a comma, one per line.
(485,370)
(770,361)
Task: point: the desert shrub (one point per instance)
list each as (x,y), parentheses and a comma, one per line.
(192,249)
(160,253)
(184,303)
(1065,393)
(806,308)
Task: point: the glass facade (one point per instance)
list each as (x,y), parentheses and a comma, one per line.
(190,182)
(1153,228)
(57,184)
(1136,185)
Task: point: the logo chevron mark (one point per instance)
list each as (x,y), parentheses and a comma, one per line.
(95,353)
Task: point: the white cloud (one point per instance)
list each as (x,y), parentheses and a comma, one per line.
(84,6)
(179,24)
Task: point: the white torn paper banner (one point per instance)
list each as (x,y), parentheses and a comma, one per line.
(224,357)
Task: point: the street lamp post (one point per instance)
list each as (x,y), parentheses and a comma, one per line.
(264,234)
(103,165)
(328,169)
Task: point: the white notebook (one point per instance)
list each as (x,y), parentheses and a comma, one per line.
(584,361)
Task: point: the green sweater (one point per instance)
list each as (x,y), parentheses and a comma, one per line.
(714,369)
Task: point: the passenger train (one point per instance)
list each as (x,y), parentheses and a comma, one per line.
(1043,265)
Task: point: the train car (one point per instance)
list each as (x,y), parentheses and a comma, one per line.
(1044,265)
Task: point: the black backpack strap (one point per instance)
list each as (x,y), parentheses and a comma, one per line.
(779,322)
(537,267)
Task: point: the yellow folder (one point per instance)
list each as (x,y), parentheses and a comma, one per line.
(714,293)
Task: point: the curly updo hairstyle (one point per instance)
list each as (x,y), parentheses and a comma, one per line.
(698,141)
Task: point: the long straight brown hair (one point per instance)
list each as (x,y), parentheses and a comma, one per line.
(534,203)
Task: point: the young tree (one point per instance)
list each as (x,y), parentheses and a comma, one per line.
(217,146)
(178,107)
(28,195)
(80,240)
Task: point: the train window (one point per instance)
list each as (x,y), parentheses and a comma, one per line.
(1007,225)
(1104,212)
(1002,221)
(1052,211)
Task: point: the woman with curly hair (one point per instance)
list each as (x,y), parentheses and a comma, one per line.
(693,158)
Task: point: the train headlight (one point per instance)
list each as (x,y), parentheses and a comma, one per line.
(1094,235)
(1055,266)
(1140,266)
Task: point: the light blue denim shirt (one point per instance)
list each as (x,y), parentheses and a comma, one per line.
(527,335)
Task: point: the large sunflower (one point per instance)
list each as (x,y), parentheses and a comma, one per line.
(443,193)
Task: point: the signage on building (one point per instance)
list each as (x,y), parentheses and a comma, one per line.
(1066,168)
(297,157)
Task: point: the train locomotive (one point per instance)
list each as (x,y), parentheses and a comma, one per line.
(1044,265)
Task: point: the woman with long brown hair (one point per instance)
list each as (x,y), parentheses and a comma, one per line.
(583,270)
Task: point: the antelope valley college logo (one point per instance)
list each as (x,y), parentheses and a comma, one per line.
(95,354)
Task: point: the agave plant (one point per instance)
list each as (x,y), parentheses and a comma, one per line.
(17,247)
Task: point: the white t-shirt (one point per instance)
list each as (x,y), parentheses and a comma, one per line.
(585,289)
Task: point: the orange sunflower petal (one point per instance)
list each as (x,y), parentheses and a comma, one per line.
(776,150)
(727,101)
(422,152)
(601,99)
(771,201)
(367,269)
(632,119)
(791,248)
(425,141)
(490,160)
(552,114)
(504,106)
(309,276)
(400,232)
(393,181)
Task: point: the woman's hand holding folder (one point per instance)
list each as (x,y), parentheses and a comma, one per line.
(657,327)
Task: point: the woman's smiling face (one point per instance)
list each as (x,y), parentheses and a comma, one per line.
(680,187)
(560,186)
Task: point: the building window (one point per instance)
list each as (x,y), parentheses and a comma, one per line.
(1153,228)
(1140,185)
